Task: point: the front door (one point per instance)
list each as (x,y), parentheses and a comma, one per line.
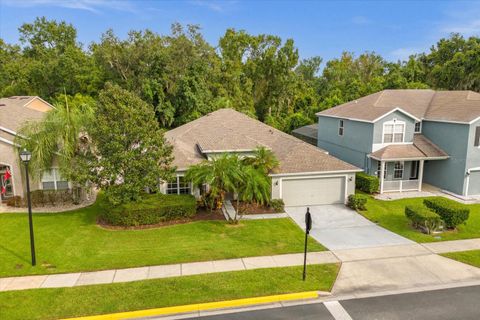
(414,170)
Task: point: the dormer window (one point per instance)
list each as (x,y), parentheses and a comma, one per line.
(340,127)
(393,131)
(418,127)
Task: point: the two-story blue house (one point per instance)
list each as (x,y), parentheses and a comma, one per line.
(407,137)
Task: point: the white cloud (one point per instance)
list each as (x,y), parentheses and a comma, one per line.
(468,28)
(214,5)
(87,5)
(361,20)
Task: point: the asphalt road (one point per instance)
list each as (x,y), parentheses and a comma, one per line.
(448,304)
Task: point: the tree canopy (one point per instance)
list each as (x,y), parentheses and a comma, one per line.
(180,76)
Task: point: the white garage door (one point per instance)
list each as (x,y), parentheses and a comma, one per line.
(313,191)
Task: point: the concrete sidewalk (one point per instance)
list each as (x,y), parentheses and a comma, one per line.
(162,271)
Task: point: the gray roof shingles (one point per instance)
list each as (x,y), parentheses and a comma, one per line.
(230,130)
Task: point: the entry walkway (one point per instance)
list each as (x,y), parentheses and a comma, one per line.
(338,227)
(162,271)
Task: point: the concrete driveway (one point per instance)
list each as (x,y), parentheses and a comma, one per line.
(338,227)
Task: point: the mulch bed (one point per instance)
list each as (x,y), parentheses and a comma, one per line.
(252,208)
(202,215)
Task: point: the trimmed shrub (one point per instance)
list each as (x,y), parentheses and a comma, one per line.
(41,198)
(424,218)
(357,202)
(152,209)
(451,212)
(366,182)
(15,201)
(277,205)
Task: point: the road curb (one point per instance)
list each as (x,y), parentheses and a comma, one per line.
(203,306)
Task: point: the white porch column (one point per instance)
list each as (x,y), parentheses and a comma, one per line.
(420,175)
(382,170)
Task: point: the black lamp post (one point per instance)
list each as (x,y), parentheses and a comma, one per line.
(26,156)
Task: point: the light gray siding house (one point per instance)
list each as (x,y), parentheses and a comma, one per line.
(407,137)
(306,175)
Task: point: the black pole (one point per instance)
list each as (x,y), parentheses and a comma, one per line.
(305,257)
(308,226)
(30,220)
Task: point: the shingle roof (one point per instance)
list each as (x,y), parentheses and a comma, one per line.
(457,106)
(310,131)
(14,113)
(229,130)
(422,148)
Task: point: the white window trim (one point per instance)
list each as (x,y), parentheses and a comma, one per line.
(178,186)
(341,125)
(403,170)
(379,170)
(55,181)
(394,122)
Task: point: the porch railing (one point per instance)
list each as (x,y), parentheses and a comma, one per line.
(401,185)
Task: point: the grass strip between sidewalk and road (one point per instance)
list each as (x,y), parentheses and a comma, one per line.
(73,242)
(471,257)
(121,297)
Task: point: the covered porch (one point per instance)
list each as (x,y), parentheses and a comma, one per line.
(400,167)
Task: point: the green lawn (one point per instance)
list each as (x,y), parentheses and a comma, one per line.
(391,215)
(71,241)
(471,257)
(111,298)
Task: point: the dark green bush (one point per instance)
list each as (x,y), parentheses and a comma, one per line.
(152,209)
(424,218)
(41,198)
(366,183)
(277,205)
(15,201)
(357,202)
(451,212)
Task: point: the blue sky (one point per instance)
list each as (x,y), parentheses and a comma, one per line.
(393,29)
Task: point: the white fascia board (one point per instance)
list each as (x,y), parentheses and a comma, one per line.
(9,142)
(394,110)
(408,159)
(274,175)
(346,118)
(449,121)
(8,131)
(38,98)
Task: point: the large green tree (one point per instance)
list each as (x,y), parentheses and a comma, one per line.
(130,152)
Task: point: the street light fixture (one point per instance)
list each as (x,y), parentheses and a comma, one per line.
(26,156)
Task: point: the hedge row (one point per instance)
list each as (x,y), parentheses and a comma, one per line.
(422,217)
(451,212)
(151,209)
(41,198)
(366,183)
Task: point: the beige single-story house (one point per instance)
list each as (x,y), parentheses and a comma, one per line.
(307,175)
(14,112)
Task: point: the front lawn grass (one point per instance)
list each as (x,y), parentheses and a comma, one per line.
(72,241)
(391,216)
(471,257)
(111,298)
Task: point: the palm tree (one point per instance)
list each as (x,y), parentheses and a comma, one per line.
(59,136)
(255,186)
(222,174)
(263,159)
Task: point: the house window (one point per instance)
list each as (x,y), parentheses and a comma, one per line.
(379,170)
(178,186)
(53,180)
(398,170)
(418,127)
(340,128)
(476,142)
(393,132)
